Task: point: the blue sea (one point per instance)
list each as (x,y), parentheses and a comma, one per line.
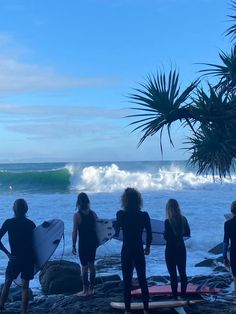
(51,190)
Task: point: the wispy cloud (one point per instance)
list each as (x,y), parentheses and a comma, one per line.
(19,77)
(16,76)
(56,111)
(51,131)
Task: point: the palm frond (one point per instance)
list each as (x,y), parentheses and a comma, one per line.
(231,31)
(213,150)
(159,99)
(226,72)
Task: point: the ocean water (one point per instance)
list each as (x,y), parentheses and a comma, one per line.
(51,190)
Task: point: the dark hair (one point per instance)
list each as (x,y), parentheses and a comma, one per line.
(131,199)
(233,208)
(20,207)
(82,201)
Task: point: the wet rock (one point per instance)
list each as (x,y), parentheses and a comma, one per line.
(220,269)
(159,279)
(15,293)
(61,277)
(218,249)
(101,279)
(209,262)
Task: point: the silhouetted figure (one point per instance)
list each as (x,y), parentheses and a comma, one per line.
(21,258)
(84,225)
(133,221)
(176,228)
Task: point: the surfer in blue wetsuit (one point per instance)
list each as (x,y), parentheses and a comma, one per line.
(176,228)
(133,221)
(21,255)
(84,224)
(230,237)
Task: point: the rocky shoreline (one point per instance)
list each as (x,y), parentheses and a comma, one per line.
(60,280)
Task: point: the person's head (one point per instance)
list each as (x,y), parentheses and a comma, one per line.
(131,200)
(20,208)
(233,208)
(83,202)
(172,209)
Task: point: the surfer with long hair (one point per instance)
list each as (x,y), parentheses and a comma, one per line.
(21,255)
(176,228)
(230,237)
(84,224)
(133,221)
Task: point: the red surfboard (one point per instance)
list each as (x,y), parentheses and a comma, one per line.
(166,290)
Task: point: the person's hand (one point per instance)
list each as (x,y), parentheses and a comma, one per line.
(147,250)
(74,250)
(226,262)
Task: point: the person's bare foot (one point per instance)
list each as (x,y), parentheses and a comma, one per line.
(83,293)
(90,291)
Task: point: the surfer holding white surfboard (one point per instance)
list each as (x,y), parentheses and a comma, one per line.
(21,258)
(133,221)
(84,225)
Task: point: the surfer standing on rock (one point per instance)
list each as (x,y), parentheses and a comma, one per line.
(21,258)
(84,225)
(133,221)
(176,228)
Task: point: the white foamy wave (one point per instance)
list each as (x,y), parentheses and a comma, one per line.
(111,178)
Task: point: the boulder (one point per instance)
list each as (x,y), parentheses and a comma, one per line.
(60,277)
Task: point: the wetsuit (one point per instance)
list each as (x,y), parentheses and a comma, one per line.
(175,255)
(88,241)
(20,235)
(132,254)
(230,234)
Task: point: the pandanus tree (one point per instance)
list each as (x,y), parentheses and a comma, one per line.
(209,112)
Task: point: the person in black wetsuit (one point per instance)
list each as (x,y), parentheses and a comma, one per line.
(84,225)
(133,221)
(230,236)
(176,227)
(21,258)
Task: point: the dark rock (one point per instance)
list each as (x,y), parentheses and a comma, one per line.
(61,277)
(220,259)
(219,281)
(112,261)
(218,249)
(220,269)
(102,279)
(159,279)
(209,262)
(15,293)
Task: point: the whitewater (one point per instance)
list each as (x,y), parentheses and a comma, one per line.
(51,190)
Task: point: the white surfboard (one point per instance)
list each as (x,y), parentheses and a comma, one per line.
(46,238)
(157,233)
(157,304)
(105,230)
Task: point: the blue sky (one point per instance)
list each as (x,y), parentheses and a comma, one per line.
(67,66)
